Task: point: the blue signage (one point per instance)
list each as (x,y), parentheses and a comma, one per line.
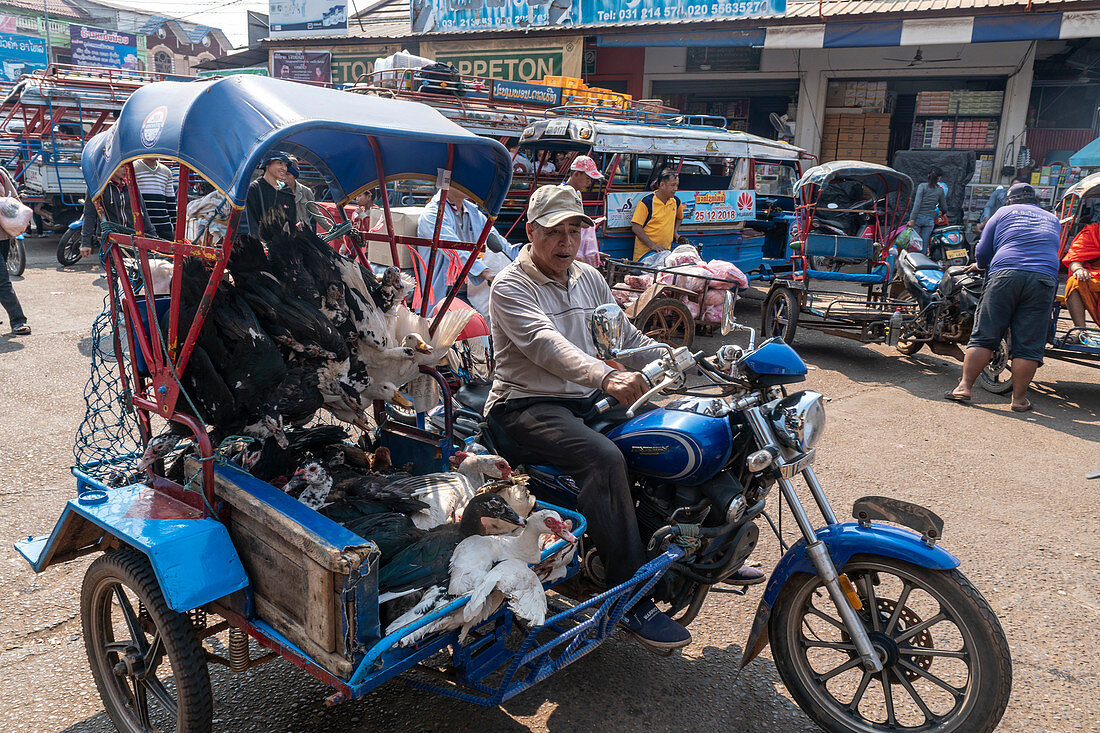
(20,55)
(103,47)
(438,15)
(517,91)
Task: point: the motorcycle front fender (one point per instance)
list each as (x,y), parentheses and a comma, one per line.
(843,541)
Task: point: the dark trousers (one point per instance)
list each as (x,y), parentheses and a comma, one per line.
(7,292)
(552,431)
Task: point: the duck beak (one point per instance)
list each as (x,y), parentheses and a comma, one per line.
(421,345)
(401,400)
(561,529)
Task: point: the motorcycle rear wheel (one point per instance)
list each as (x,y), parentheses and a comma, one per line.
(907,347)
(946,659)
(997,376)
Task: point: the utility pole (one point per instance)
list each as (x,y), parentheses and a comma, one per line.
(49,47)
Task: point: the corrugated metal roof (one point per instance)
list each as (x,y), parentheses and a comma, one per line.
(58,8)
(833,8)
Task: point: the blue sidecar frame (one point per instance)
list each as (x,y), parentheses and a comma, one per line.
(843,541)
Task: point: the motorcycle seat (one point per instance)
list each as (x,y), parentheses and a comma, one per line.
(474,395)
(919,261)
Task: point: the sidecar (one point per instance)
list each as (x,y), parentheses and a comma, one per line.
(182,561)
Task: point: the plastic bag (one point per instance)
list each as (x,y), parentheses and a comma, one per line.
(726,271)
(692,307)
(712,314)
(14,216)
(638,282)
(907,238)
(684,277)
(714,297)
(685,254)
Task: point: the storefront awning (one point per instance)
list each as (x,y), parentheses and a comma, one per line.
(1088,156)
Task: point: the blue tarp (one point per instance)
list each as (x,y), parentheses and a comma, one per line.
(1088,156)
(222,129)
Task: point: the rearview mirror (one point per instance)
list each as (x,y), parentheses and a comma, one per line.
(729,321)
(607,330)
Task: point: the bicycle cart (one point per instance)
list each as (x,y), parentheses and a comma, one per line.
(840,302)
(224,552)
(1080,205)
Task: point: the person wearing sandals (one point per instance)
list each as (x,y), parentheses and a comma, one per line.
(8,298)
(1019,248)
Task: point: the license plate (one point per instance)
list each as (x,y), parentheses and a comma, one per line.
(793,468)
(557,127)
(957,254)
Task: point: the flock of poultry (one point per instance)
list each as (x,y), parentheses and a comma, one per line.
(297,328)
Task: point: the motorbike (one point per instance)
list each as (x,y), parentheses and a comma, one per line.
(17,257)
(68,248)
(946,299)
(851,605)
(947,245)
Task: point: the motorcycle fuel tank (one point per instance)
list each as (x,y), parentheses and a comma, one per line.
(681,447)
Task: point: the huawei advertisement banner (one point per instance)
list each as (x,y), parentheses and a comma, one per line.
(314,67)
(700,207)
(102,47)
(307,18)
(439,15)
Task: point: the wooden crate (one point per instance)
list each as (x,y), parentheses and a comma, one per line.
(313,581)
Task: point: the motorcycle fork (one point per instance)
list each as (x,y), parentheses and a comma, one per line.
(817,551)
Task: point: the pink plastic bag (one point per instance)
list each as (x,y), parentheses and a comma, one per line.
(638,282)
(714,297)
(712,314)
(14,216)
(695,284)
(726,271)
(665,278)
(685,254)
(623,297)
(692,307)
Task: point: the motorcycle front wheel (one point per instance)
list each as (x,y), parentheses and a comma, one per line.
(946,664)
(17,258)
(68,249)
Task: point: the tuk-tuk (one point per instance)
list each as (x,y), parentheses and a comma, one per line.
(846,213)
(1079,207)
(737,188)
(223,551)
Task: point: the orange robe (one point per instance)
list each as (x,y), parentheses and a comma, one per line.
(1085,249)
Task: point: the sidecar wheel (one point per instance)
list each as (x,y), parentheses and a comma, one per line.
(997,376)
(779,316)
(147,661)
(946,660)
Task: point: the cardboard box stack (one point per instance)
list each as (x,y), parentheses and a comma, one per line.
(962,134)
(866,94)
(856,134)
(983,169)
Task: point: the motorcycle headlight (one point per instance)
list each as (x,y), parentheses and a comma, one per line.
(799,419)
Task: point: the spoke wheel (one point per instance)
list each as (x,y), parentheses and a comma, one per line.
(780,315)
(68,249)
(17,257)
(997,376)
(667,320)
(946,664)
(904,346)
(147,662)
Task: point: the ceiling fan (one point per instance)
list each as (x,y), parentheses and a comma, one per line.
(918,59)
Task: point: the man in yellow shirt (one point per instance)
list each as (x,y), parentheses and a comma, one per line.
(657,217)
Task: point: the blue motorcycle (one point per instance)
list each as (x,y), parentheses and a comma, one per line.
(872,627)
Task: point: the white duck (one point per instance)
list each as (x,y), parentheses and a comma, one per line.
(475,556)
(447,493)
(317,482)
(554,568)
(407,329)
(510,580)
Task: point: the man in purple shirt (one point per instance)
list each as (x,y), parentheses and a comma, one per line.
(1019,248)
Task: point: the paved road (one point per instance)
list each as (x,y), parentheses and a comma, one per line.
(1011,488)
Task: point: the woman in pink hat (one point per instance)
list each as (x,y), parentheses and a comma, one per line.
(583,173)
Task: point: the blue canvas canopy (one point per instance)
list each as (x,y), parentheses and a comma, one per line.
(222,129)
(1088,156)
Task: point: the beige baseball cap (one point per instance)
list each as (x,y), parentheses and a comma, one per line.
(551,205)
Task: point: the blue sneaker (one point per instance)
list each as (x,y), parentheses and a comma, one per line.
(654,629)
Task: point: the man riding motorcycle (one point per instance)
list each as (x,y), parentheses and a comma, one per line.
(548,379)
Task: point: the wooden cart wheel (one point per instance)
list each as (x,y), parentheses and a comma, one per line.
(147,660)
(667,320)
(780,314)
